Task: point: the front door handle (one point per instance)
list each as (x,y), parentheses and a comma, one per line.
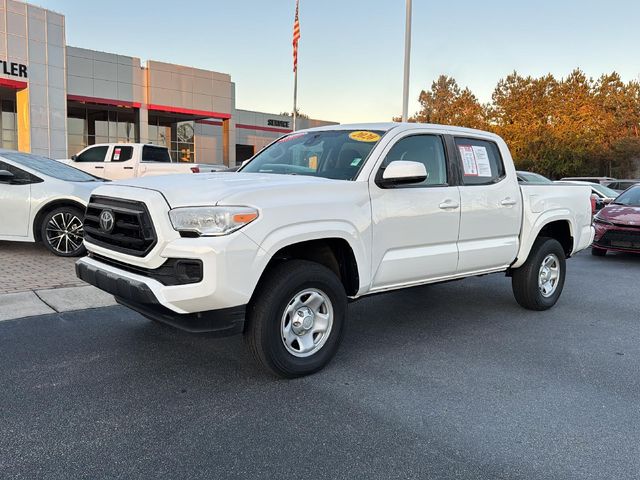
(448,205)
(508,202)
(98,166)
(128,168)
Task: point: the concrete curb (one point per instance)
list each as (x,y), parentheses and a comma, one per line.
(55,300)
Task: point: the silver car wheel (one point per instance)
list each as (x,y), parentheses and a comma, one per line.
(307,322)
(549,275)
(64,232)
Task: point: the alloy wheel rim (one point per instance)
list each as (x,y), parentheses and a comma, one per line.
(549,275)
(64,232)
(306,322)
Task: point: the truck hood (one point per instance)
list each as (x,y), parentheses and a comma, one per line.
(212,188)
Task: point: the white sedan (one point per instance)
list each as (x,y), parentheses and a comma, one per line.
(43,200)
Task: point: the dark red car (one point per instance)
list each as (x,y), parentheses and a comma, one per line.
(618,224)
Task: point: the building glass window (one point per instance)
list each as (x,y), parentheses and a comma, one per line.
(90,124)
(175,133)
(8,124)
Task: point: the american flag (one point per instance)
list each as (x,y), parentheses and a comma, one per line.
(296,38)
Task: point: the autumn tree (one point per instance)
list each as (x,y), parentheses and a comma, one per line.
(445,103)
(572,126)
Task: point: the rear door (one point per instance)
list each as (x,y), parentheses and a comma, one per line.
(92,160)
(121,164)
(15,202)
(415,227)
(491,205)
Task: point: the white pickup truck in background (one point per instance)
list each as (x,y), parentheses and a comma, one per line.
(323,216)
(119,161)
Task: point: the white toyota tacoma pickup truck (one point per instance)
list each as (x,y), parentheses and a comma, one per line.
(324,216)
(118,161)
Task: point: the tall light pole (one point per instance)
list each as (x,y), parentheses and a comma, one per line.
(407,59)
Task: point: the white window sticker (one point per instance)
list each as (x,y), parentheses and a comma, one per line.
(475,161)
(468,161)
(482,161)
(116,154)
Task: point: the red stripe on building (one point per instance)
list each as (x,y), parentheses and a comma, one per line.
(189,111)
(264,129)
(15,84)
(104,101)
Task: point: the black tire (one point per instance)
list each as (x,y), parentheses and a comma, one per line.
(266,311)
(524,280)
(61,233)
(598,252)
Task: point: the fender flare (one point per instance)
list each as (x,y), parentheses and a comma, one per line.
(543,220)
(289,235)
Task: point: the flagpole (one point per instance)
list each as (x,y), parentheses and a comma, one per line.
(407,59)
(296,38)
(295,98)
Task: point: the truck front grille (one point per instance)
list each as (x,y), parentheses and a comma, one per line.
(131,230)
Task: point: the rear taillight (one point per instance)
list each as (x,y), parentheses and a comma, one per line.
(195,169)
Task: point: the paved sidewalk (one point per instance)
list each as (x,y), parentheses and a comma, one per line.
(30,266)
(35,282)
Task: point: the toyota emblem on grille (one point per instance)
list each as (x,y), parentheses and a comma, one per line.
(107,222)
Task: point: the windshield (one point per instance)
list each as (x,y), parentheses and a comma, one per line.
(606,191)
(49,167)
(336,154)
(630,197)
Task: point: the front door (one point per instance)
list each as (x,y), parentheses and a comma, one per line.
(415,227)
(92,160)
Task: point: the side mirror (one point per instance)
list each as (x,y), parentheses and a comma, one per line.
(401,172)
(244,162)
(74,157)
(6,176)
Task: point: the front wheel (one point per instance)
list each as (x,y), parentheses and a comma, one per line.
(296,318)
(538,283)
(62,232)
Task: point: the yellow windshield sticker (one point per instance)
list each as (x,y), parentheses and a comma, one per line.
(364,136)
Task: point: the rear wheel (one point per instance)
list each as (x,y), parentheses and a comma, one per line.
(296,319)
(598,252)
(62,232)
(538,283)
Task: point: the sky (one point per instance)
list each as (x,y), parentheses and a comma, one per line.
(351,51)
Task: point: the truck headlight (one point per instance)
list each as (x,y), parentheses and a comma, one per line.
(211,220)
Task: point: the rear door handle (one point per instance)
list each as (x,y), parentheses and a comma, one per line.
(128,168)
(448,205)
(508,202)
(98,166)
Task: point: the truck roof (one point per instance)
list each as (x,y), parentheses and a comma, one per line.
(133,144)
(386,126)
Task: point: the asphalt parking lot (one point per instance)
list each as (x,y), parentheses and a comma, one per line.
(443,381)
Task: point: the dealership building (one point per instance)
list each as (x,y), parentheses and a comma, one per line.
(57,99)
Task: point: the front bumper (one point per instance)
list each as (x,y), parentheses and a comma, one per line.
(617,238)
(138,296)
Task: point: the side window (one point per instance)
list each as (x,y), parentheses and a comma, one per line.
(155,154)
(20,177)
(481,163)
(95,154)
(426,149)
(122,153)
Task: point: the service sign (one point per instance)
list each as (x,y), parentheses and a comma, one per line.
(14,69)
(278,123)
